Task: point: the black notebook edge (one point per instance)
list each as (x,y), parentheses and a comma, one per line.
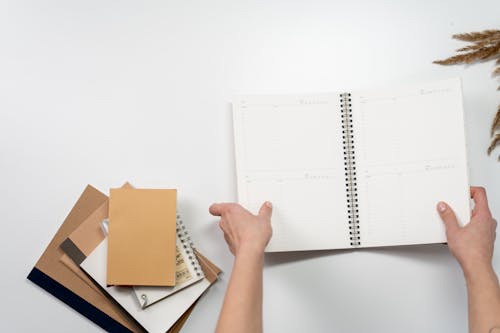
(76,302)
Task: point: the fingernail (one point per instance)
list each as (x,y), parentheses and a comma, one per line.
(441,207)
(269,204)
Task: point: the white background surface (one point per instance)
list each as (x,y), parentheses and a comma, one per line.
(102,92)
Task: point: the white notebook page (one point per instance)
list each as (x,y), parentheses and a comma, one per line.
(410,154)
(289,151)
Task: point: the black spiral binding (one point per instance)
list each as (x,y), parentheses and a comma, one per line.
(350,169)
(188,245)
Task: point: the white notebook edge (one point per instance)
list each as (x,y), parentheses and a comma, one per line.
(237,143)
(466,145)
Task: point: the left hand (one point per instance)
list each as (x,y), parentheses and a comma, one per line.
(242,230)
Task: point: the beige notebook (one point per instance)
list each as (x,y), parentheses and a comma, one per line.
(142,234)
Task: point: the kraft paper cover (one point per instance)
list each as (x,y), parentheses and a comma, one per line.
(142,237)
(49,263)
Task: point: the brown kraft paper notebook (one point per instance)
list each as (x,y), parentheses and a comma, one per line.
(141,250)
(59,280)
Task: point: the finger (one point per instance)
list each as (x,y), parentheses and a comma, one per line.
(478,194)
(217,209)
(448,217)
(266,210)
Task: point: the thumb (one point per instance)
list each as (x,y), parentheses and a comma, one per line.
(266,210)
(448,217)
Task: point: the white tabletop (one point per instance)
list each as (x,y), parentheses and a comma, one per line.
(103,92)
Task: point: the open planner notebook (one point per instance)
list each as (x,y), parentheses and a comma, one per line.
(355,169)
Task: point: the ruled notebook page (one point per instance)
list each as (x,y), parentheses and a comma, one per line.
(289,151)
(410,153)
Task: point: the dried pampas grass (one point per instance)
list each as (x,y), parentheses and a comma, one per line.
(484,46)
(496,140)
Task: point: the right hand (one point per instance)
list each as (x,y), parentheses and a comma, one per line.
(472,244)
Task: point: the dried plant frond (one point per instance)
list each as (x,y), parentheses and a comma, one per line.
(470,48)
(494,143)
(496,122)
(483,53)
(474,36)
(480,44)
(484,45)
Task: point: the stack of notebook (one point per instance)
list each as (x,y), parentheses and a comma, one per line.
(126,262)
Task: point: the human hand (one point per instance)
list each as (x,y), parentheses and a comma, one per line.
(244,231)
(472,245)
